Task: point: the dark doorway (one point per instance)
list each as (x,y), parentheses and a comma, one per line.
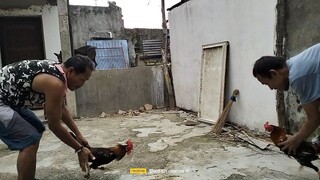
(21,38)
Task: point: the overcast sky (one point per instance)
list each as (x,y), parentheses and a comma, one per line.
(136,13)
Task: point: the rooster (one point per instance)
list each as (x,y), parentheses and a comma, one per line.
(306,151)
(107,155)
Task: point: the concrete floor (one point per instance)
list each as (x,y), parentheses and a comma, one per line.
(163,145)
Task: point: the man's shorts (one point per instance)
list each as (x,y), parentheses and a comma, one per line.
(19,127)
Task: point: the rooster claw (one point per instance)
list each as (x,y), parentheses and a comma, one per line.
(87,176)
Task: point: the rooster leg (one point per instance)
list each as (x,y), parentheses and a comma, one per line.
(87,175)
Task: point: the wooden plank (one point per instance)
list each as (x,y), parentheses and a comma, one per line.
(253,141)
(212,83)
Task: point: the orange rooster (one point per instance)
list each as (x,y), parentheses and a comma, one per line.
(277,134)
(305,153)
(107,155)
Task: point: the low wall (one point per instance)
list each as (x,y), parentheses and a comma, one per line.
(121,89)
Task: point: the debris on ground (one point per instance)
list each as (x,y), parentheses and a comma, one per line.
(120,112)
(136,113)
(132,113)
(253,141)
(103,115)
(232,132)
(191,123)
(148,107)
(142,109)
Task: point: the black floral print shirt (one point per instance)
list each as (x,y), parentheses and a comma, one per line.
(16,80)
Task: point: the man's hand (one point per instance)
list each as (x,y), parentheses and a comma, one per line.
(291,144)
(84,155)
(82,141)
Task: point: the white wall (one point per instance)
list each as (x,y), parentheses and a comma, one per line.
(50,21)
(249,26)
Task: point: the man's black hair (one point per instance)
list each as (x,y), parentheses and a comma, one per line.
(80,63)
(263,65)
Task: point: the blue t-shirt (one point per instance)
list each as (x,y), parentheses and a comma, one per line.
(304,74)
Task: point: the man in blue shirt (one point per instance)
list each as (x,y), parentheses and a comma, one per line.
(302,74)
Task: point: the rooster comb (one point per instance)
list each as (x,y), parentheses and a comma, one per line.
(129,146)
(268,127)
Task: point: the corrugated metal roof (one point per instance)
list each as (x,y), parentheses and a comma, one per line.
(152,47)
(111,53)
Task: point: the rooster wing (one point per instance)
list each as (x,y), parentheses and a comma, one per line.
(305,154)
(102,156)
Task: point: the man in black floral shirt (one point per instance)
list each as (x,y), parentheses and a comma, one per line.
(33,82)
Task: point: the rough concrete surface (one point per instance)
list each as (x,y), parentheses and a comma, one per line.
(163,145)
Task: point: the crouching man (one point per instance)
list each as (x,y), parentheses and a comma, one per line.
(33,82)
(302,74)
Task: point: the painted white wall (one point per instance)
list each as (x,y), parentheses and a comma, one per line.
(51,32)
(50,21)
(249,26)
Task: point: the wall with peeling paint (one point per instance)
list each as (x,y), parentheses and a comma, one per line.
(92,21)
